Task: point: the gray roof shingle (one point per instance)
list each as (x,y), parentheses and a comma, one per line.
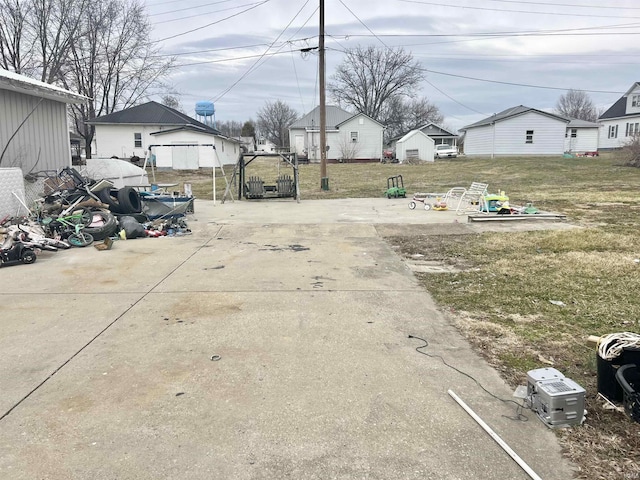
(151,113)
(335,116)
(511,112)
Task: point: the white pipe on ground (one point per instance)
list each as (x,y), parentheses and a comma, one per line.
(495,436)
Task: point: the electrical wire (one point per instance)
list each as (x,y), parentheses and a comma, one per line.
(193,7)
(529,12)
(572,5)
(210,24)
(612,345)
(252,67)
(519,416)
(202,14)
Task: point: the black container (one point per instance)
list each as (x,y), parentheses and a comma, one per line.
(607,383)
(628,377)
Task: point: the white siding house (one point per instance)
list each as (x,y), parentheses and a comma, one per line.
(136,130)
(42,141)
(517,131)
(187,148)
(349,137)
(581,137)
(621,121)
(415,145)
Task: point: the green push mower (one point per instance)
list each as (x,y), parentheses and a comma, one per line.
(395,187)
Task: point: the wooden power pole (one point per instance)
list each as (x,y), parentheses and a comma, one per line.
(324,179)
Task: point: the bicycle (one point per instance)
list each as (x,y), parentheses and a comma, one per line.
(71,221)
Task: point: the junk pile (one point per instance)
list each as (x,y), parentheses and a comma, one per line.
(75,211)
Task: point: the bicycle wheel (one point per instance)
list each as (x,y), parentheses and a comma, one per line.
(80,239)
(86,217)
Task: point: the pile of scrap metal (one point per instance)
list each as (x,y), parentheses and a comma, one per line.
(75,211)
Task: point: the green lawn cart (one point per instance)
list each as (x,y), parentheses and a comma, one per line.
(395,187)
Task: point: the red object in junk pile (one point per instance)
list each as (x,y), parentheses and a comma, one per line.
(155,233)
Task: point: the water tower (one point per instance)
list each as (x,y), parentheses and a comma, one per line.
(206,113)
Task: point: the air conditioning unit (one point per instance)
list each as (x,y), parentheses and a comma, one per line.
(558,401)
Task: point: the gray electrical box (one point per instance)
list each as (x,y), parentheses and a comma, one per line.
(558,401)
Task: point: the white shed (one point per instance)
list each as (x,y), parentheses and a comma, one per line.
(581,136)
(415,145)
(188,148)
(34,133)
(517,131)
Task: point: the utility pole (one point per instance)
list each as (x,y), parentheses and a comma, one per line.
(324,180)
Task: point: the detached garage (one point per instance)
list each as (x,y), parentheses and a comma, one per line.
(415,146)
(34,134)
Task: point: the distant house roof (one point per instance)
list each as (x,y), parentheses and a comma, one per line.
(21,84)
(512,112)
(412,133)
(577,123)
(619,109)
(152,113)
(335,116)
(431,130)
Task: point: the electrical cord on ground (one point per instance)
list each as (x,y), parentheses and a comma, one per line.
(519,416)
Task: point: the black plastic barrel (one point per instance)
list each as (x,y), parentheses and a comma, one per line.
(607,383)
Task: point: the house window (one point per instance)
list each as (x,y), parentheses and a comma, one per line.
(613,131)
(222,145)
(574,132)
(529,137)
(137,140)
(354,136)
(632,129)
(635,100)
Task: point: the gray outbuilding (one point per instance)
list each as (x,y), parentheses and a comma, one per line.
(34,132)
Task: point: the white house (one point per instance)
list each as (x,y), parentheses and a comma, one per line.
(621,120)
(349,137)
(177,140)
(415,145)
(42,141)
(439,135)
(581,136)
(517,131)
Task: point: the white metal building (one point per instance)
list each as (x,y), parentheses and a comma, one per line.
(517,131)
(34,133)
(415,145)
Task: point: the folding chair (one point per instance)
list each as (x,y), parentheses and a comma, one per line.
(473,199)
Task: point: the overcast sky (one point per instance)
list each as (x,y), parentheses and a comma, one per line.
(241,53)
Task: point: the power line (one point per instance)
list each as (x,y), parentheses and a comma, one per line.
(227,90)
(514,83)
(388,48)
(573,5)
(212,23)
(189,8)
(529,12)
(202,14)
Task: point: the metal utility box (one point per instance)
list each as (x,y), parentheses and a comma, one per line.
(558,401)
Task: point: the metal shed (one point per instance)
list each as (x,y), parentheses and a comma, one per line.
(415,145)
(34,134)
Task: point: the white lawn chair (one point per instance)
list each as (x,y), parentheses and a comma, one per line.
(473,200)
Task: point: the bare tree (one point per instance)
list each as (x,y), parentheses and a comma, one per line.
(274,120)
(631,151)
(401,116)
(15,38)
(577,104)
(368,78)
(57,24)
(114,63)
(230,128)
(172,101)
(347,148)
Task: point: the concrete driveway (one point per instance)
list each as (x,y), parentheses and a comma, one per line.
(107,369)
